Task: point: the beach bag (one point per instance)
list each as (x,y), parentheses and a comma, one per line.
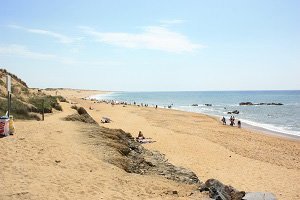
(11,125)
(4,126)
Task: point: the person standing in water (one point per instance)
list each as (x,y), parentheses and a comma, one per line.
(239,124)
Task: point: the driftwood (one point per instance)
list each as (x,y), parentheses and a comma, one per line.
(219,191)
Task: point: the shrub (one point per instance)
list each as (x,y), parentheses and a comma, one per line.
(2,82)
(49,103)
(81,111)
(74,107)
(25,90)
(19,109)
(61,98)
(86,118)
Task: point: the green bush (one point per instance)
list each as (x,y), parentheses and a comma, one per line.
(18,109)
(25,90)
(49,103)
(81,111)
(2,82)
(74,107)
(61,98)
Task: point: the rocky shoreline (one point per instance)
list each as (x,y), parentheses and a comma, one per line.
(259,104)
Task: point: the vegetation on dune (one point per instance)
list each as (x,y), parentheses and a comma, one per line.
(49,102)
(19,109)
(81,115)
(26,103)
(2,83)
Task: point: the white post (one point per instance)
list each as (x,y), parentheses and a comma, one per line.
(8,84)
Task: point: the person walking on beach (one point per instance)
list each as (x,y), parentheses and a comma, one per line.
(231,120)
(239,124)
(223,120)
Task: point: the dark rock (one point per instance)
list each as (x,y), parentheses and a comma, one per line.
(208,104)
(233,112)
(81,111)
(219,191)
(175,192)
(259,196)
(246,103)
(259,104)
(194,104)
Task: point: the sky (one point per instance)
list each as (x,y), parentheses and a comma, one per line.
(157,45)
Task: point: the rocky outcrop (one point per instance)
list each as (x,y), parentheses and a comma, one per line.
(219,191)
(234,112)
(142,161)
(126,153)
(259,104)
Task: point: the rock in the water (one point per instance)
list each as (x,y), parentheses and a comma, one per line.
(259,196)
(259,104)
(208,104)
(195,104)
(234,112)
(246,104)
(219,191)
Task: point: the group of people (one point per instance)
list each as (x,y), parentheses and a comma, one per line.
(232,123)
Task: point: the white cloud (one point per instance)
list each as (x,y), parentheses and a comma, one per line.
(170,22)
(60,37)
(22,51)
(152,37)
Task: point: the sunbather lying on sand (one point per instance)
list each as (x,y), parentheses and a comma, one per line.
(141,138)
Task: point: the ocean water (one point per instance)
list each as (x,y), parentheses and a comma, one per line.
(283,119)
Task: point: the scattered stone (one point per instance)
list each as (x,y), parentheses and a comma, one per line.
(219,191)
(208,104)
(134,158)
(175,192)
(194,104)
(57,161)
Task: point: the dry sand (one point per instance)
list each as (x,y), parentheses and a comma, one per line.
(54,159)
(248,160)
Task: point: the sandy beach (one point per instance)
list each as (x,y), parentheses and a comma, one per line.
(55,159)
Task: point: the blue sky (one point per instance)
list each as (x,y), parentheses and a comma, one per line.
(152,45)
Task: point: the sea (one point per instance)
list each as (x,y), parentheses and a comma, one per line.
(281,119)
